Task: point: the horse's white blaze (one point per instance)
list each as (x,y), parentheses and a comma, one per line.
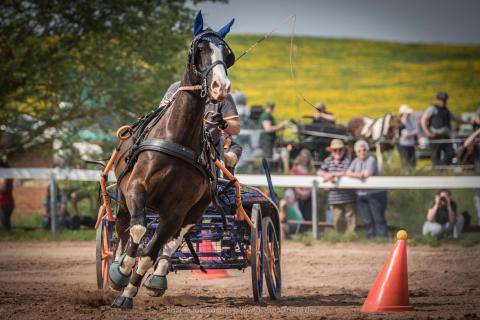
(218,72)
(169,249)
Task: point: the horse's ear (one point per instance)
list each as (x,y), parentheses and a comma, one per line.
(225,29)
(198,25)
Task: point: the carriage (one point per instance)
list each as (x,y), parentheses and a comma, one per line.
(218,241)
(316,138)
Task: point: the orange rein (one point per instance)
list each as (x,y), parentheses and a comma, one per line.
(241,214)
(123,133)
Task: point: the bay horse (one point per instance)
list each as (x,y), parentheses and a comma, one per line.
(166,184)
(382,133)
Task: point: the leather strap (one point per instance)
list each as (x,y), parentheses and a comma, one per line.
(173,149)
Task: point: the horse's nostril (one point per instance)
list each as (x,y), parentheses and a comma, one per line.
(215,85)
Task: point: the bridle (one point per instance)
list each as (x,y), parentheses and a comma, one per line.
(210,36)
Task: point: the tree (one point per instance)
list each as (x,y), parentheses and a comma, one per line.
(69,64)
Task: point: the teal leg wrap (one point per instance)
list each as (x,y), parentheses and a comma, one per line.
(118,280)
(156,284)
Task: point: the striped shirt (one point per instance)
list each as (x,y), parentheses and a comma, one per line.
(338,196)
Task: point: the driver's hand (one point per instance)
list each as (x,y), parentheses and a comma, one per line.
(218,119)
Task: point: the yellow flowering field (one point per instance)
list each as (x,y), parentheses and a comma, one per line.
(355,77)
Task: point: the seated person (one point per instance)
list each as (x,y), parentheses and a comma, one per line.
(442,217)
(323,117)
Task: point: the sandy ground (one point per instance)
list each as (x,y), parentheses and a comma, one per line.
(56,280)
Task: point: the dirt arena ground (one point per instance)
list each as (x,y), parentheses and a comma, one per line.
(56,280)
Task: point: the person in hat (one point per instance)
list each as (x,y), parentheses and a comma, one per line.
(323,117)
(269,127)
(406,144)
(371,202)
(342,201)
(437,126)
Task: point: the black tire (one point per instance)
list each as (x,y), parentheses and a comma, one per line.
(256,256)
(272,262)
(98,256)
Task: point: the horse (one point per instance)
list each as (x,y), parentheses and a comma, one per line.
(383,133)
(173,187)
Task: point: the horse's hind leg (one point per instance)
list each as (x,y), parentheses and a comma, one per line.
(122,227)
(156,284)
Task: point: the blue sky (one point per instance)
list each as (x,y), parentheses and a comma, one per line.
(426,21)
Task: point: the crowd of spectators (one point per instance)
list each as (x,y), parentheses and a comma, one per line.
(343,204)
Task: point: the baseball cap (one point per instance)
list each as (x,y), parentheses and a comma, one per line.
(442,95)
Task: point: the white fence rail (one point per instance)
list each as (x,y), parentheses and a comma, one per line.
(314,182)
(384,182)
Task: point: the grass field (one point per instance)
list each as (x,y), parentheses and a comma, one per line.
(355,77)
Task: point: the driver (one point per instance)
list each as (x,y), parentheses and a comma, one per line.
(222,122)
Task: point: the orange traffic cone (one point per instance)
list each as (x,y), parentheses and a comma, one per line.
(390,290)
(206,246)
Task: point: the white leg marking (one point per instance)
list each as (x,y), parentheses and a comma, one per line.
(169,249)
(136,232)
(143,265)
(119,251)
(129,291)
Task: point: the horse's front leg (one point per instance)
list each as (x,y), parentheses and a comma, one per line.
(120,272)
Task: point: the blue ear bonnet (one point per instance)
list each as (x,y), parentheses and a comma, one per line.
(213,37)
(210,35)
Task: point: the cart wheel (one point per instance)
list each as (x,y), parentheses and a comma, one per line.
(271,249)
(104,252)
(256,256)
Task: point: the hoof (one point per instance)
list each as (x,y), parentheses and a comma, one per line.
(122,303)
(117,279)
(156,285)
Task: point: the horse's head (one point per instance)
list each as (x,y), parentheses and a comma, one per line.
(395,128)
(209,59)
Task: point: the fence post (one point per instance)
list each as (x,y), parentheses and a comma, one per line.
(314,210)
(53,203)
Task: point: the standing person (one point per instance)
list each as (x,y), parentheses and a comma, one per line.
(7,203)
(436,123)
(269,127)
(373,202)
(342,201)
(472,145)
(406,145)
(442,216)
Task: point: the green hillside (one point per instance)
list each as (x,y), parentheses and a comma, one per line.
(355,77)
